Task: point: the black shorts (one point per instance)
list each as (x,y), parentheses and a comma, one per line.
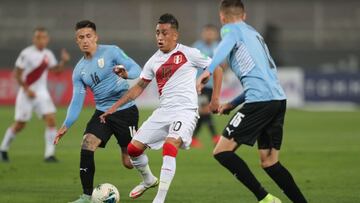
(121,123)
(259,121)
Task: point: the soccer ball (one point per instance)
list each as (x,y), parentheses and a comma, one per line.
(105,193)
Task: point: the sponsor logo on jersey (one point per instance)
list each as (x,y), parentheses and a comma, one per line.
(177,59)
(101,63)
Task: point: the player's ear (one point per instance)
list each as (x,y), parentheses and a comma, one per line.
(222,17)
(244,16)
(176,35)
(96,37)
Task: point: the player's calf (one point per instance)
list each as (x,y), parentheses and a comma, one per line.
(125,158)
(286,182)
(140,161)
(168,169)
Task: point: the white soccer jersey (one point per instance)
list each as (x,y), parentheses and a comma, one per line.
(175,74)
(35,63)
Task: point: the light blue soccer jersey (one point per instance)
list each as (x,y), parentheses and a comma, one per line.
(208,50)
(248,56)
(97,74)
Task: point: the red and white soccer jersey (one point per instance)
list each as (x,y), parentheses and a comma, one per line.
(175,75)
(35,64)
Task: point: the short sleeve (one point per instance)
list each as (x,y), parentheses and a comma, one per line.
(147,73)
(198,59)
(21,60)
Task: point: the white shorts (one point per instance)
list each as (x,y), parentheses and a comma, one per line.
(163,123)
(41,105)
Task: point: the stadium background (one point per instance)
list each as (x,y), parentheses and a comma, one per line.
(315,43)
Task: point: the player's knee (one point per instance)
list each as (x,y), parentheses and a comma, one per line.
(133,150)
(219,150)
(265,163)
(169,150)
(50,121)
(90,142)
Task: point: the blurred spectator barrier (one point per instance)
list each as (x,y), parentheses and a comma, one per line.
(301,88)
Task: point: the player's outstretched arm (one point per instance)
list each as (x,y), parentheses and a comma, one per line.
(73,112)
(130,95)
(64,58)
(223,50)
(215,97)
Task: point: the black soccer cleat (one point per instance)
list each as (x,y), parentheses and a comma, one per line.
(51,159)
(4,156)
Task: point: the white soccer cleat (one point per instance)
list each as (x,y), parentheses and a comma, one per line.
(141,188)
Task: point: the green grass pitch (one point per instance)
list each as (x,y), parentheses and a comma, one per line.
(321,149)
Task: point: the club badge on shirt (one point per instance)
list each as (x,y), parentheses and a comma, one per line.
(177,59)
(101,63)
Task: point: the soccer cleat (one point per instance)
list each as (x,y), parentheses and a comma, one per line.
(4,156)
(270,199)
(83,199)
(141,188)
(51,159)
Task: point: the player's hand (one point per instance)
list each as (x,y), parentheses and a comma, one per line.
(108,112)
(202,80)
(226,108)
(65,56)
(61,132)
(31,94)
(214,106)
(120,71)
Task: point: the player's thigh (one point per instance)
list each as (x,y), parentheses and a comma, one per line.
(182,126)
(90,142)
(44,104)
(23,107)
(249,122)
(272,135)
(101,130)
(124,124)
(152,133)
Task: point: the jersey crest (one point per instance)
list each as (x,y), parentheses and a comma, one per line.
(178,59)
(101,62)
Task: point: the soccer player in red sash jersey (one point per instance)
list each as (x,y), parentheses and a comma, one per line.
(170,127)
(31,68)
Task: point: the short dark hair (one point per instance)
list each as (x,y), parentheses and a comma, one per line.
(169,18)
(232,7)
(85,24)
(40,29)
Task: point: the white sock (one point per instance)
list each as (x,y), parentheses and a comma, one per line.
(8,137)
(141,164)
(50,134)
(167,174)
